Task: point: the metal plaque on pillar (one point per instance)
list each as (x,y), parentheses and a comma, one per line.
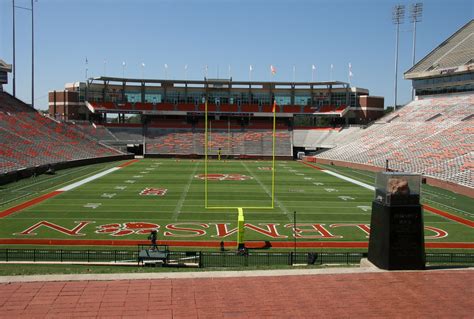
(396,228)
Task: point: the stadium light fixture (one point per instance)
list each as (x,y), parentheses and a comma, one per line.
(14,63)
(416,12)
(32,50)
(398,15)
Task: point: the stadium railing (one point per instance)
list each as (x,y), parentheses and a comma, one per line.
(221,259)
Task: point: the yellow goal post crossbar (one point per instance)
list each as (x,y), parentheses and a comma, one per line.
(206,154)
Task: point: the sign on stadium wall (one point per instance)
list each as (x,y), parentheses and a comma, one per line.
(215,230)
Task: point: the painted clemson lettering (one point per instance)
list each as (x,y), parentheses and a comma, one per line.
(221,230)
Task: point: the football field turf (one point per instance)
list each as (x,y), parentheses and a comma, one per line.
(124,204)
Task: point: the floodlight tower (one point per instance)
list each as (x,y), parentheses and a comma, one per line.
(416,11)
(398,14)
(32,50)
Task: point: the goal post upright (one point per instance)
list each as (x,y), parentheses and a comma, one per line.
(273,154)
(205,154)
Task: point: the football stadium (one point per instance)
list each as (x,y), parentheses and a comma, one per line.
(224,173)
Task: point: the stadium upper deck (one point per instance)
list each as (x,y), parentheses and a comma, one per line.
(227,97)
(449,68)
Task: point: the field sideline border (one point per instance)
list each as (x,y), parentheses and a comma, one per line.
(214,244)
(61,190)
(432,210)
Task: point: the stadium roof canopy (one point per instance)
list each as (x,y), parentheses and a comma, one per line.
(5,67)
(207,81)
(455,55)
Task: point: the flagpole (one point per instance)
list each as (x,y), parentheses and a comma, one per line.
(273,154)
(349,75)
(87,67)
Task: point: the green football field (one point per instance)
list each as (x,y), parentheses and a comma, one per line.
(169,195)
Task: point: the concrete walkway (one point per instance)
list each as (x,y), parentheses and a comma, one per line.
(315,293)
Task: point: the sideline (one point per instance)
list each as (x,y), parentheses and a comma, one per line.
(61,190)
(353,181)
(433,210)
(215,243)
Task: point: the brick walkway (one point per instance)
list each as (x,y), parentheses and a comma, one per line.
(447,293)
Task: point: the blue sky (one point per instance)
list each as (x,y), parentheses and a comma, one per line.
(219,33)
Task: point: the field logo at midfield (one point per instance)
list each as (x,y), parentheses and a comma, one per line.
(125,229)
(224,177)
(149,191)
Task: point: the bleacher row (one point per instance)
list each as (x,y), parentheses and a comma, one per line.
(433,136)
(183,141)
(235,142)
(29,139)
(233,108)
(321,138)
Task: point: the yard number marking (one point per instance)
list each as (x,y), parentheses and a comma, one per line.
(346,198)
(92,205)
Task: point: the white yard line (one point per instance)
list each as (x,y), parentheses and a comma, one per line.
(353,181)
(184,194)
(373,188)
(50,179)
(88,179)
(282,207)
(50,188)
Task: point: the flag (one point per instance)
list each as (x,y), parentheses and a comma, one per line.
(251,67)
(87,61)
(273,70)
(313,67)
(274,106)
(350,70)
(143,64)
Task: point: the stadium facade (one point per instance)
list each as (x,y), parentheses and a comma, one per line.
(107,95)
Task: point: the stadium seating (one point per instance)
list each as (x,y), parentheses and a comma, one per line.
(432,136)
(29,139)
(236,142)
